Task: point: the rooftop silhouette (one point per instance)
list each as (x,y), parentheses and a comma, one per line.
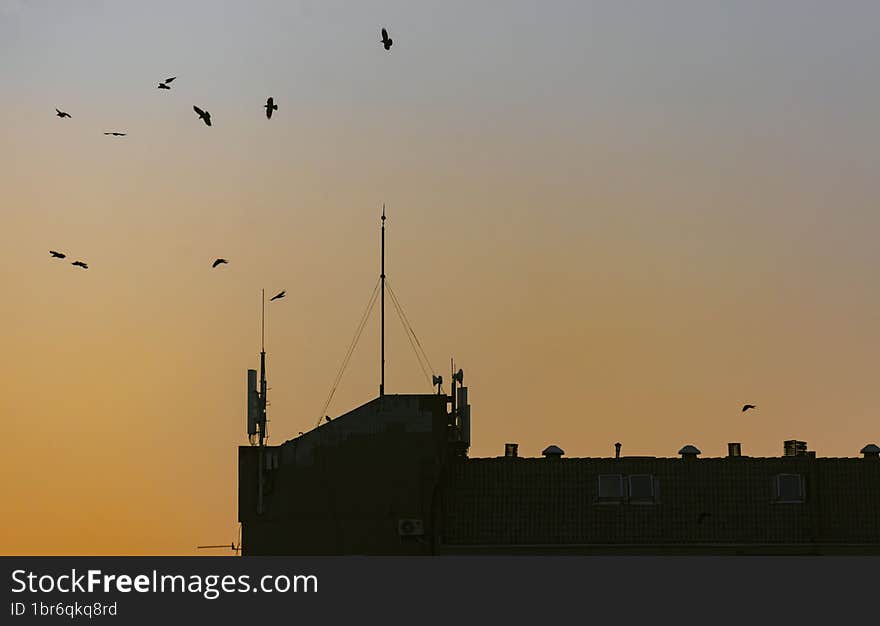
(393,477)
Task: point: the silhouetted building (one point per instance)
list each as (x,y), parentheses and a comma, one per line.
(393,477)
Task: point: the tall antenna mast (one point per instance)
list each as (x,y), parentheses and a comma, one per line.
(382,276)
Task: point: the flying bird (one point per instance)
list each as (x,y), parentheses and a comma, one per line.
(80,264)
(219,262)
(203,115)
(746,407)
(115,134)
(386,40)
(163,86)
(270,106)
(278,296)
(168,80)
(57,255)
(60,113)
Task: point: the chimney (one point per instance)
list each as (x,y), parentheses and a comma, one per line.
(689,452)
(511,450)
(734,449)
(553,452)
(871,451)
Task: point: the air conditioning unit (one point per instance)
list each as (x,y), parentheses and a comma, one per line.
(410,527)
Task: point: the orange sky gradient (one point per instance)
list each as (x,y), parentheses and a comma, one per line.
(623,222)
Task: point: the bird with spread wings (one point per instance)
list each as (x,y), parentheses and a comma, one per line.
(203,115)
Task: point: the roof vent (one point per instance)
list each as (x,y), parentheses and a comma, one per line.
(793,447)
(689,452)
(872,450)
(511,450)
(734,449)
(553,452)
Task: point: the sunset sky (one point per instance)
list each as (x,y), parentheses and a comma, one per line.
(624,220)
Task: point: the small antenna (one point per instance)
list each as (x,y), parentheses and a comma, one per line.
(452,371)
(263,387)
(231,546)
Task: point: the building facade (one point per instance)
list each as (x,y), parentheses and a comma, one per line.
(392,477)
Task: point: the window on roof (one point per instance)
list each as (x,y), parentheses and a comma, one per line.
(789,488)
(641,488)
(610,487)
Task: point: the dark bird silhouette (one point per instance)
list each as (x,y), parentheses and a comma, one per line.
(115,134)
(386,40)
(80,264)
(204,115)
(278,296)
(270,106)
(168,80)
(219,262)
(57,255)
(163,86)
(60,113)
(746,407)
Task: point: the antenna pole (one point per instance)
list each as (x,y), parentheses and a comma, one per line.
(452,368)
(382,276)
(263,371)
(262,416)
